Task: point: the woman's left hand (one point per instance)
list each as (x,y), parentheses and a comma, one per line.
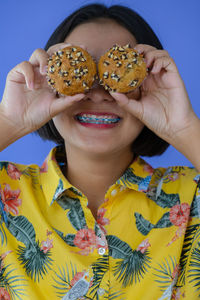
(163,105)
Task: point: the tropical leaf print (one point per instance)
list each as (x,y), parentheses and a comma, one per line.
(195,207)
(100,267)
(164,221)
(167,275)
(33,173)
(129,178)
(194,270)
(192,234)
(21,229)
(68,238)
(110,295)
(10,282)
(75,191)
(75,213)
(35,261)
(33,257)
(3,164)
(3,214)
(2,234)
(165,200)
(59,191)
(144,226)
(63,278)
(133,264)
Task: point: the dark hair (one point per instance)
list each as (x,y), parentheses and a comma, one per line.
(147,143)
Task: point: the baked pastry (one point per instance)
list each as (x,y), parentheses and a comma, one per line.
(71,70)
(121,69)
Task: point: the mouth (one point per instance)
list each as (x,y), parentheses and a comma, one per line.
(100,120)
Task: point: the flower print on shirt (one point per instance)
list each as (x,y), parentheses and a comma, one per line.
(4,295)
(13,172)
(10,199)
(143,246)
(85,239)
(11,169)
(44,167)
(179,215)
(46,245)
(101,220)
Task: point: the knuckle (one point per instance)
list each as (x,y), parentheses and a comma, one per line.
(24,64)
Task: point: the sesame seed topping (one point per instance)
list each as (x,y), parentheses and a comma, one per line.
(67,82)
(133,83)
(52,69)
(105,75)
(106,63)
(119,64)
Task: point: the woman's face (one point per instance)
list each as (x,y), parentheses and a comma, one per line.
(98,37)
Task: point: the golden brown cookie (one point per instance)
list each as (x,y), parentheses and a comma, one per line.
(71,70)
(121,69)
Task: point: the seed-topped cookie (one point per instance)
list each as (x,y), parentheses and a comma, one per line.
(121,69)
(71,70)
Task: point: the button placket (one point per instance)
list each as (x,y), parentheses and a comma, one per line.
(101,251)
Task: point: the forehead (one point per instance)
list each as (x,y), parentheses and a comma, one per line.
(99,36)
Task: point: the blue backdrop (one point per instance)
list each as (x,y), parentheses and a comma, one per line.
(26,25)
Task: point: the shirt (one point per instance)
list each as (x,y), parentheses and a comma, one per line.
(144,243)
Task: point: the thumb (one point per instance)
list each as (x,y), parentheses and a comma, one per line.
(133,106)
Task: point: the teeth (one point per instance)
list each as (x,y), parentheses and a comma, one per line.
(88,118)
(98,117)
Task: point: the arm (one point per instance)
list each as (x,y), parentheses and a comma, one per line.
(188,143)
(8,132)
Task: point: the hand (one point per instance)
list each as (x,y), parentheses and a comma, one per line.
(163,105)
(28,102)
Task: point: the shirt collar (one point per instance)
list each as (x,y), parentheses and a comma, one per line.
(53,182)
(137,176)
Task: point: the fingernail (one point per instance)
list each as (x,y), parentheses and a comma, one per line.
(44,70)
(31,85)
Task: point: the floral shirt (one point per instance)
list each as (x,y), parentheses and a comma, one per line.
(143,245)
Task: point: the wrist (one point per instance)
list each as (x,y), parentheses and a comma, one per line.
(188,142)
(9,130)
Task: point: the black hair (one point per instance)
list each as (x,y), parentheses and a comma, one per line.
(147,143)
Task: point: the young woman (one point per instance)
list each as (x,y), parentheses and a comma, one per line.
(96,221)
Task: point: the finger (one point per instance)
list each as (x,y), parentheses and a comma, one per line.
(143,48)
(166,63)
(23,73)
(39,58)
(60,104)
(131,105)
(152,55)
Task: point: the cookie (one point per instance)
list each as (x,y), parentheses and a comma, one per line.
(121,69)
(71,71)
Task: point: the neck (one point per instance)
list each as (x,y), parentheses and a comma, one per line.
(93,175)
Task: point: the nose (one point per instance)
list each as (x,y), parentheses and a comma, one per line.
(98,94)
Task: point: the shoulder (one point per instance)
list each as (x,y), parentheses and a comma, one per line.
(15,171)
(174,182)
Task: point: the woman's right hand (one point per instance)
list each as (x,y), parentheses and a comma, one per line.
(28,101)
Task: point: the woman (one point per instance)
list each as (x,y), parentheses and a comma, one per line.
(96,221)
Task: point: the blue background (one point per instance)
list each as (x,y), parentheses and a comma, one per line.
(26,25)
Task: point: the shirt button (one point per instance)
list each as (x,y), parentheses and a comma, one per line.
(114,192)
(101,251)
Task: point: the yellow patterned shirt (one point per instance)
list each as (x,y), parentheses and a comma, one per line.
(144,244)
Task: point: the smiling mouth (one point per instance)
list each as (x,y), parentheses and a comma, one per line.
(97,118)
